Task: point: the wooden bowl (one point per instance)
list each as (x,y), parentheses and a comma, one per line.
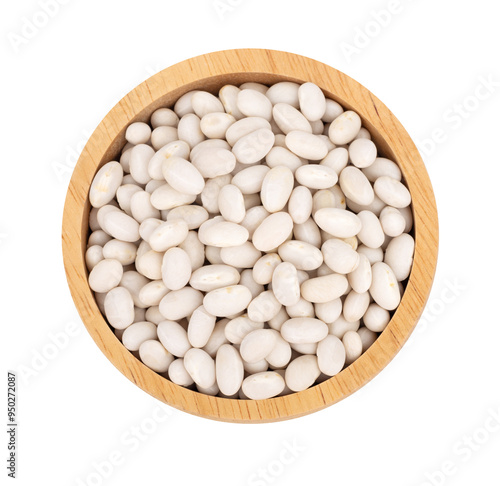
(210,72)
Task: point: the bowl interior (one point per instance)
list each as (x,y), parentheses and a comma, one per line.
(268,67)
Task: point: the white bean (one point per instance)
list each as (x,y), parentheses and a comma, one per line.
(222,234)
(162,136)
(231,203)
(362,152)
(137,333)
(340,326)
(260,386)
(141,207)
(138,132)
(140,157)
(215,125)
(300,204)
(331,355)
(239,327)
(200,366)
(277,187)
(213,277)
(182,175)
(399,255)
(178,304)
(227,301)
(302,330)
(280,155)
(339,256)
(166,197)
(204,103)
(337,159)
(164,117)
(344,128)
(356,186)
(284,92)
(308,232)
(306,145)
(148,263)
(243,127)
(273,231)
(119,308)
(152,293)
(302,372)
(382,167)
(177,148)
(249,180)
(214,161)
(312,101)
(355,305)
(281,352)
(384,288)
(264,307)
(303,308)
(252,103)
(338,222)
(264,267)
(376,318)
(253,218)
(241,256)
(176,268)
(229,369)
(178,373)
(285,282)
(367,337)
(173,337)
(360,278)
(168,234)
(304,256)
(392,221)
(93,256)
(324,289)
(353,346)
(106,275)
(374,255)
(228,96)
(371,233)
(217,339)
(289,119)
(316,176)
(253,147)
(124,196)
(155,356)
(193,215)
(256,345)
(392,192)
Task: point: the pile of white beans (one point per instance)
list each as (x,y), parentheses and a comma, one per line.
(251,244)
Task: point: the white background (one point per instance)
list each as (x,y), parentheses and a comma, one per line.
(429,410)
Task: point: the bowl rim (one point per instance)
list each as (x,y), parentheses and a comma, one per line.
(212,71)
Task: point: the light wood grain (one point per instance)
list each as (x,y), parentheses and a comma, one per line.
(210,72)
